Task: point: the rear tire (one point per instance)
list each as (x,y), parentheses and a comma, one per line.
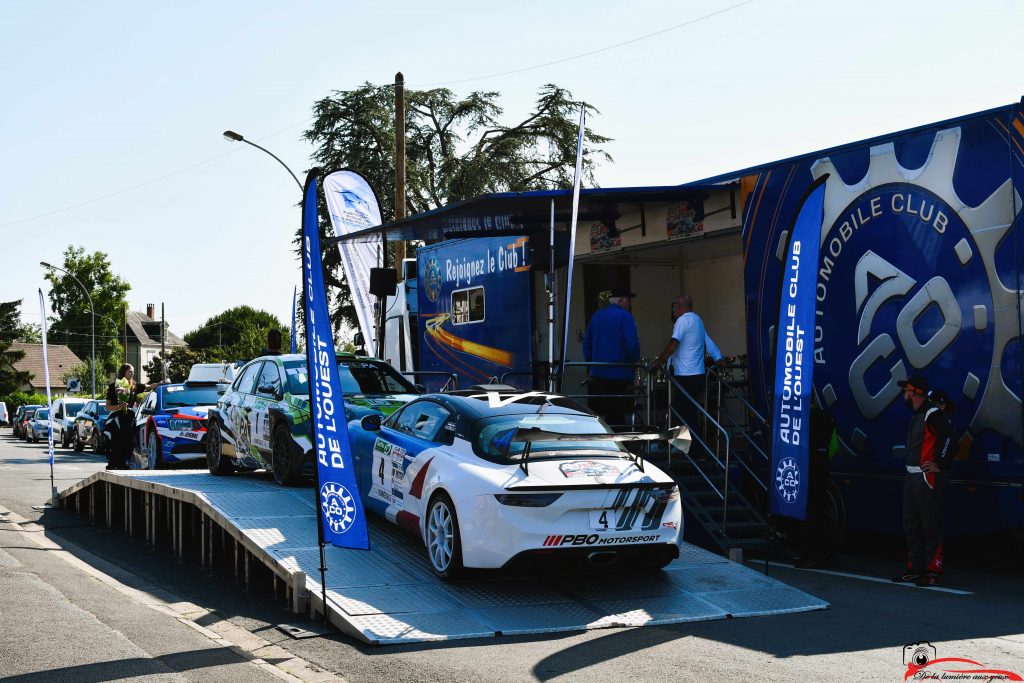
(78,444)
(444,544)
(154,452)
(65,442)
(285,459)
(215,460)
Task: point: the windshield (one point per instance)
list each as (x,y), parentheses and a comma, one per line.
(72,407)
(180,397)
(42,414)
(357,377)
(493,439)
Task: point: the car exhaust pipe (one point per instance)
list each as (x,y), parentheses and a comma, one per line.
(602,557)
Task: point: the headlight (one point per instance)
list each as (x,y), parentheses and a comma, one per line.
(528,500)
(182,424)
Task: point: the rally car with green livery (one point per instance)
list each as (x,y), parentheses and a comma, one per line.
(262,420)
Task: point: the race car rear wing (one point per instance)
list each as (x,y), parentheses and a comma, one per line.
(677,436)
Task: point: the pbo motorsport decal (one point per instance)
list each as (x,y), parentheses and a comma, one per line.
(907,284)
(595,539)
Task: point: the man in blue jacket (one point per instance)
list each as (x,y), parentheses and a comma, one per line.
(611,338)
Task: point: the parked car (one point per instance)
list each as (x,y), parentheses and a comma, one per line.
(24,423)
(262,420)
(170,424)
(495,478)
(38,427)
(19,418)
(4,417)
(64,411)
(88,427)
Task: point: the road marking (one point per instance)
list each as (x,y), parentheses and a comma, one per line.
(861,577)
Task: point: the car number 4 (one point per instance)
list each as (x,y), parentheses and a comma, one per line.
(602,520)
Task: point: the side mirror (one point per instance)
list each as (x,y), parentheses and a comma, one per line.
(358,340)
(266,390)
(221,392)
(370,423)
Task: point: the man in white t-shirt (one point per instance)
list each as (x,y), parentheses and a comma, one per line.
(684,359)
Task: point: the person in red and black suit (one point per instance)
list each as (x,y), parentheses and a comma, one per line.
(929,456)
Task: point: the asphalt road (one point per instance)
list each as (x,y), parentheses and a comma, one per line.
(84,603)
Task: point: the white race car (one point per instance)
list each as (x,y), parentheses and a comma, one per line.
(493,478)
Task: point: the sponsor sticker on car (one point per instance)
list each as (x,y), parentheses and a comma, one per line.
(587,468)
(576,540)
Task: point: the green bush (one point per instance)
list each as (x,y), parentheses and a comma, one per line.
(16,399)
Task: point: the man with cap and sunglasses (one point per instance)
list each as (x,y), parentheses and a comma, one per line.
(929,455)
(611,338)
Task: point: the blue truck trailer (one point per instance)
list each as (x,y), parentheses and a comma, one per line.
(920,273)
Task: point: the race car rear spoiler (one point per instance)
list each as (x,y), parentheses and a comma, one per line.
(677,436)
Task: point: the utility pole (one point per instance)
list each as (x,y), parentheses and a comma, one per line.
(163,342)
(399,165)
(126,332)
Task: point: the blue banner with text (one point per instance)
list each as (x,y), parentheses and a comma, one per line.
(344,521)
(794,362)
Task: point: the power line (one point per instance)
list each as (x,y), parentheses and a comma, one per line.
(439,83)
(147,182)
(592,52)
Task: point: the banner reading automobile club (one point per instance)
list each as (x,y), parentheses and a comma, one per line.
(794,361)
(353,206)
(344,521)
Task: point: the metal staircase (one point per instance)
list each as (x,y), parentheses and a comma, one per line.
(722,480)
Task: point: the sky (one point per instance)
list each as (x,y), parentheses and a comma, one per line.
(111,112)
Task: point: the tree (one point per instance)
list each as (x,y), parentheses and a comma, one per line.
(236,334)
(29,333)
(10,379)
(455,149)
(70,308)
(180,361)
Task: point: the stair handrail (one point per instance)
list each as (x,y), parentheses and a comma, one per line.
(693,435)
(713,373)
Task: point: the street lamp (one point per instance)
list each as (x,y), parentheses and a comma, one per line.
(235,137)
(92,312)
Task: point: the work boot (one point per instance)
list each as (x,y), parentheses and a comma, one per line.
(928,579)
(907,577)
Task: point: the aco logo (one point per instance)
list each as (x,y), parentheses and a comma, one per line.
(907,285)
(432,278)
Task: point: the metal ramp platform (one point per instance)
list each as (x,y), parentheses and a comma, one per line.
(389,594)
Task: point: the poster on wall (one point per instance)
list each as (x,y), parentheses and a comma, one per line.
(685,220)
(602,237)
(471,315)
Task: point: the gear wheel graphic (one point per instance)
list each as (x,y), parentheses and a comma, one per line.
(986,223)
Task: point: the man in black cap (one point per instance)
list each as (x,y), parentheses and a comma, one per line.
(611,338)
(929,455)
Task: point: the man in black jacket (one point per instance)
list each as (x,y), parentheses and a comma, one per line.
(929,456)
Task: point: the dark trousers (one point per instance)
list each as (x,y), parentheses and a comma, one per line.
(694,385)
(119,451)
(614,410)
(922,522)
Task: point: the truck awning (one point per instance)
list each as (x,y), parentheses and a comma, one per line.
(517,213)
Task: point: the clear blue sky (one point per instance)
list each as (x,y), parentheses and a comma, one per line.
(101,96)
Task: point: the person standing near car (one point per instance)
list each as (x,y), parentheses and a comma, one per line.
(929,456)
(122,396)
(274,338)
(684,355)
(611,338)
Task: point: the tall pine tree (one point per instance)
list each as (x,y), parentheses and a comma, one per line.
(10,325)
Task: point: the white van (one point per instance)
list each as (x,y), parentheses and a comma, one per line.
(62,416)
(4,417)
